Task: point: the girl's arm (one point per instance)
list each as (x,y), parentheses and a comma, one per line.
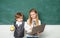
(27,28)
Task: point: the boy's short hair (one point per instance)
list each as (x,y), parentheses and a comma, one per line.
(18,15)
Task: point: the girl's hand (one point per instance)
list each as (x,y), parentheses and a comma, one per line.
(38,33)
(30,28)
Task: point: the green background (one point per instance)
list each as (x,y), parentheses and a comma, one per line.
(48,10)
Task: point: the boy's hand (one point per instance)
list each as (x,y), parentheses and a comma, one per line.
(12,28)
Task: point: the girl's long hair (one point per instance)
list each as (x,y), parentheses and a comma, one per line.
(30,19)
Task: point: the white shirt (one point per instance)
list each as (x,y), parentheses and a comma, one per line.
(28,30)
(27,27)
(18,23)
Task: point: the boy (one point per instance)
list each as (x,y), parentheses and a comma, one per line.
(19,26)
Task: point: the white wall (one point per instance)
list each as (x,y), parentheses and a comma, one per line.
(51,31)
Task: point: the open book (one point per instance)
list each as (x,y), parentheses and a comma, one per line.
(39,28)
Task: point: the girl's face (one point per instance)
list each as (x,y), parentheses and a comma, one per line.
(33,15)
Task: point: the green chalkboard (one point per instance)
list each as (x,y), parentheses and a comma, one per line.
(48,10)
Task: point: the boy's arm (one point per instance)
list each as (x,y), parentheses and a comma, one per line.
(12,27)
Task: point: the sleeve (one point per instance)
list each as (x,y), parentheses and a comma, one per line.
(27,28)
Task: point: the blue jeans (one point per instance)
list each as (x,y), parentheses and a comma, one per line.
(32,37)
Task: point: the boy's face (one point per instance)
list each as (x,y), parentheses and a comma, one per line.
(19,19)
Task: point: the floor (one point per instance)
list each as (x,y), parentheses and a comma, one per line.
(51,31)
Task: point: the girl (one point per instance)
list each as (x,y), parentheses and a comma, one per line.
(32,21)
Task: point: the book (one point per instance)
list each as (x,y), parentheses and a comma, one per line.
(39,28)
